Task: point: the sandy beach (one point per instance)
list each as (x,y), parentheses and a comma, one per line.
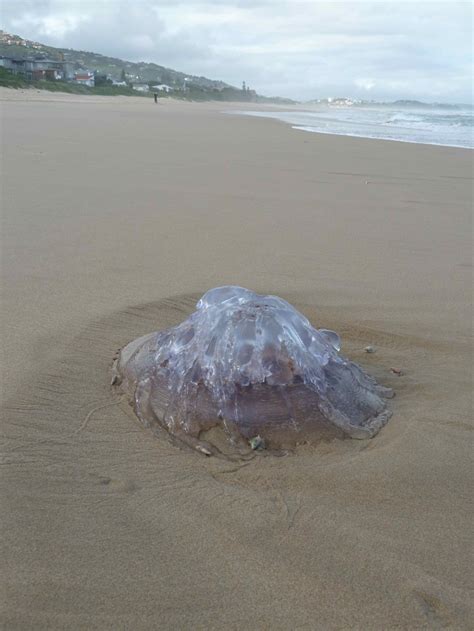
(117,214)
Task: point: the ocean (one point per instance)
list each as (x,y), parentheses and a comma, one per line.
(438,124)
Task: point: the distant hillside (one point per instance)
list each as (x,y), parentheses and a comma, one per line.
(16,46)
(196,87)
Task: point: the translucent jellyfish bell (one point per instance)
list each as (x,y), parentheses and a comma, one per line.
(255,366)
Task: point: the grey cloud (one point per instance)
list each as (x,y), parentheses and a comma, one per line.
(297,48)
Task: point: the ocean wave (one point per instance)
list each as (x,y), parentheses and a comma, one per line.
(433,126)
(405,118)
(431,121)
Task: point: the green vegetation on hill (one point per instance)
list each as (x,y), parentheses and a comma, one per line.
(9,80)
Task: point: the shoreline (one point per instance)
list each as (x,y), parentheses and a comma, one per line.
(410,142)
(308,129)
(239,108)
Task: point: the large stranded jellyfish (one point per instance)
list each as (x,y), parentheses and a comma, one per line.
(256,367)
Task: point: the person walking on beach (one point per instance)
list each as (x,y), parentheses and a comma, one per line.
(155,95)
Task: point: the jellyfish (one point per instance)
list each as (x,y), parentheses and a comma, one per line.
(253,366)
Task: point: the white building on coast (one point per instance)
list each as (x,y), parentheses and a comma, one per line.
(141,87)
(162,87)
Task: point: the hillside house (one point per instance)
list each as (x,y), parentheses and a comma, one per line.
(37,69)
(85,77)
(162,87)
(15,66)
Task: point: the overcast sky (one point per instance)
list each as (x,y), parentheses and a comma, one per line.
(303,49)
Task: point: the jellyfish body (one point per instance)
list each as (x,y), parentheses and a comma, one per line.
(254,365)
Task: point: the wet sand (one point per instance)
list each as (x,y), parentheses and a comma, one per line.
(116,216)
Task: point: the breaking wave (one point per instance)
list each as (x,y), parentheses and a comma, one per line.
(431,124)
